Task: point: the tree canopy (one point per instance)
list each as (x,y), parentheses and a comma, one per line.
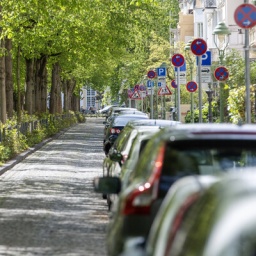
(97,42)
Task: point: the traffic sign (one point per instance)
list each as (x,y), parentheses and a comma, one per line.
(198,46)
(182,68)
(191,86)
(206,74)
(136,95)
(221,73)
(182,77)
(150,83)
(173,84)
(161,72)
(142,87)
(178,60)
(161,82)
(129,91)
(137,87)
(206,59)
(151,74)
(245,15)
(164,91)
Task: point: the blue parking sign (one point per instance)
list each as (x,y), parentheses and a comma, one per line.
(161,72)
(206,59)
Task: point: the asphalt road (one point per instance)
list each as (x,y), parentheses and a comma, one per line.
(47,202)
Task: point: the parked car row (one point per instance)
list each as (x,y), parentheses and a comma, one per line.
(164,182)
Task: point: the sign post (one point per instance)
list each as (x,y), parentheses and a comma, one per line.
(151,75)
(245,18)
(178,61)
(199,47)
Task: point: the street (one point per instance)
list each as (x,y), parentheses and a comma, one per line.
(47,202)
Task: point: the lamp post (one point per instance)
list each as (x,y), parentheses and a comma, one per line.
(190,62)
(221,35)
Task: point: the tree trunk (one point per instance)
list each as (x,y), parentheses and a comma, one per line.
(29,93)
(9,79)
(2,86)
(75,103)
(68,89)
(41,85)
(18,86)
(55,94)
(3,116)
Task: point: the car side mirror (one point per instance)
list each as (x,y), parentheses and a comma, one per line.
(107,185)
(115,155)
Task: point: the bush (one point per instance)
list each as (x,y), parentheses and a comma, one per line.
(13,141)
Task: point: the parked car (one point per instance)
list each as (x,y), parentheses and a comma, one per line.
(131,111)
(106,109)
(120,151)
(222,221)
(172,153)
(115,127)
(177,202)
(115,110)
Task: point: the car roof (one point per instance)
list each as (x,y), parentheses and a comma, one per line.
(153,122)
(211,131)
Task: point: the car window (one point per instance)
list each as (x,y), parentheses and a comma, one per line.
(203,157)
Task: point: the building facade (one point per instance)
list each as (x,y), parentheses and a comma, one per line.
(199,18)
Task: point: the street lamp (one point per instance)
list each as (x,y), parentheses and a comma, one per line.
(221,35)
(190,62)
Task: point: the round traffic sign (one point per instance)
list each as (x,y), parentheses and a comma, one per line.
(191,86)
(136,87)
(245,15)
(142,87)
(173,84)
(178,60)
(221,73)
(151,74)
(198,46)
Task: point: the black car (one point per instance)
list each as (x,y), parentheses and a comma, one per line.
(115,127)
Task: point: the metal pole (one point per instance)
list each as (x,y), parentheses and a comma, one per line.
(162,103)
(221,85)
(191,94)
(164,109)
(178,94)
(247,77)
(151,100)
(199,88)
(142,102)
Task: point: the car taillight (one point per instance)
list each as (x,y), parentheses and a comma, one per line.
(114,130)
(140,199)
